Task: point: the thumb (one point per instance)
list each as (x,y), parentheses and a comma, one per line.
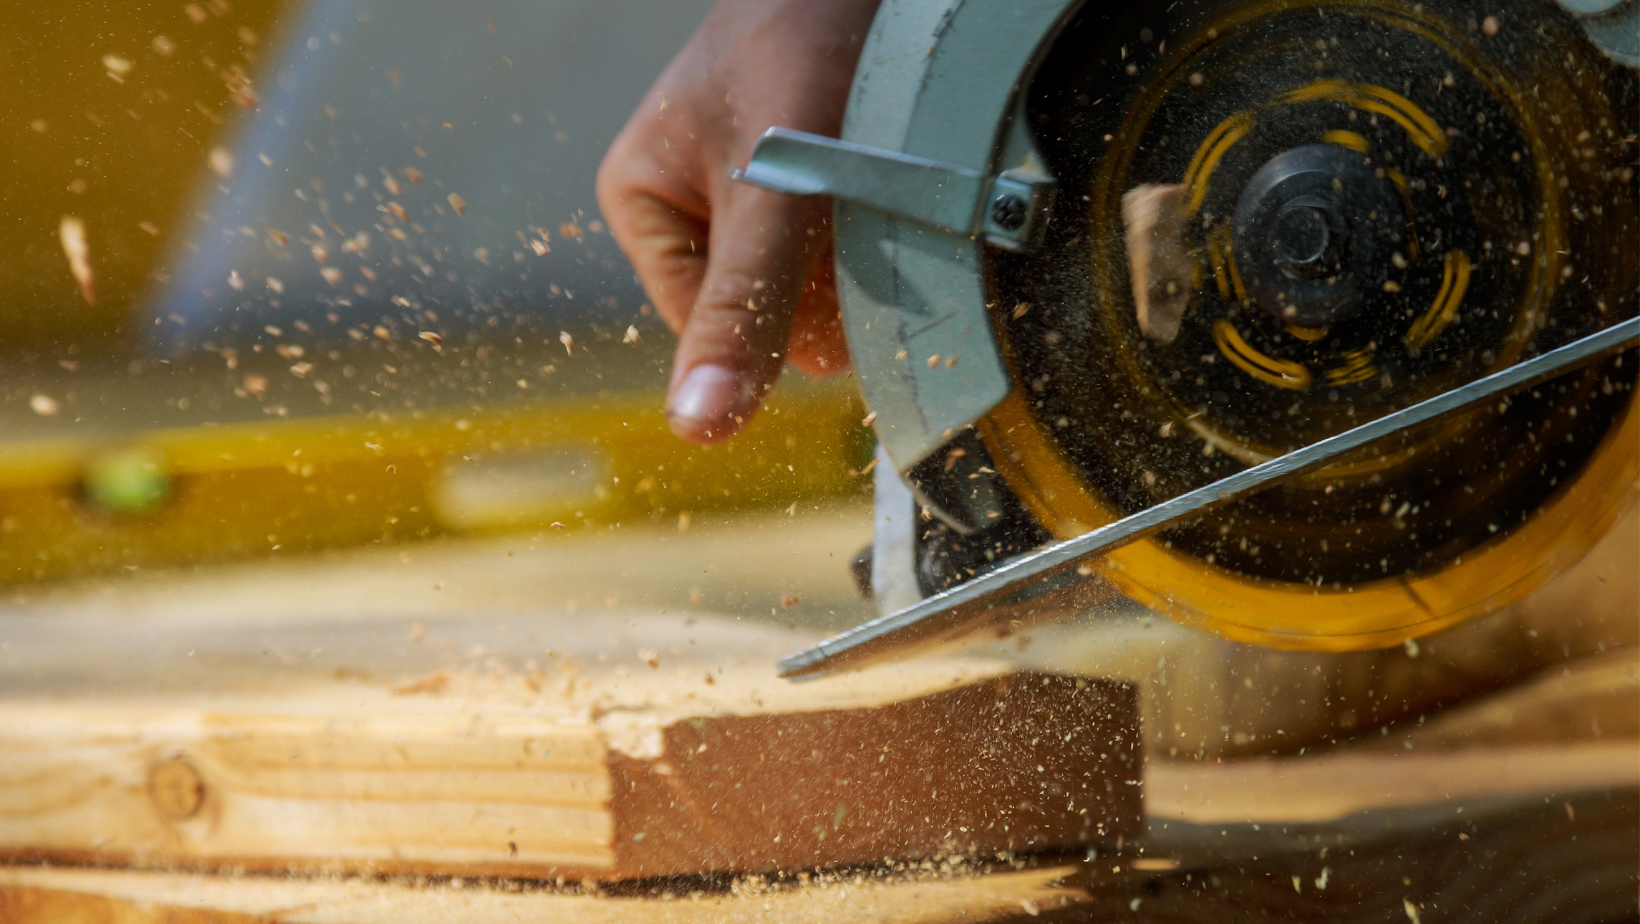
(734,343)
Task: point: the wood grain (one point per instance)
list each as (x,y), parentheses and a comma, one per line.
(52,896)
(1022,762)
(1554,852)
(1333,786)
(535,688)
(933,758)
(1583,699)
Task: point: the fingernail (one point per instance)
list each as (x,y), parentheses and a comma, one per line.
(705,404)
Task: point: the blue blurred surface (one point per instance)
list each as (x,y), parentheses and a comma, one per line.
(509,104)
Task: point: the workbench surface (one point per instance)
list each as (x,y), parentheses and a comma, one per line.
(1517,806)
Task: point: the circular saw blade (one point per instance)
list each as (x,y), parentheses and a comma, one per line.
(1281,220)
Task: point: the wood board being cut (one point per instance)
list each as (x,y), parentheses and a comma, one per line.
(85,896)
(310,681)
(665,747)
(1527,836)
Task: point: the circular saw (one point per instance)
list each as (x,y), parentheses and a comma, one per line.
(1311,324)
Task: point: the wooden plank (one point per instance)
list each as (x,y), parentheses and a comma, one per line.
(1579,700)
(51,896)
(287,673)
(745,773)
(1332,786)
(528,707)
(1554,845)
(1022,762)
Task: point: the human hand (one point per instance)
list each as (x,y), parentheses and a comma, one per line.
(742,274)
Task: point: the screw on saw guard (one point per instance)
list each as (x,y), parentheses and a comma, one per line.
(1008,211)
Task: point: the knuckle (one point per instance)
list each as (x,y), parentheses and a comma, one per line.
(612,180)
(734,289)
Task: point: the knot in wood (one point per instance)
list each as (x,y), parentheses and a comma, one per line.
(176,788)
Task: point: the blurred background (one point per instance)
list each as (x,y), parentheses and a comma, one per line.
(286,276)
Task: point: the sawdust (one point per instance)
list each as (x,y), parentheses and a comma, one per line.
(71,234)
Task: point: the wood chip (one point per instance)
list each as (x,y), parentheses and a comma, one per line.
(221,162)
(436,682)
(71,233)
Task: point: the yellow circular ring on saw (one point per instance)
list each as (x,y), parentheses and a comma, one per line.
(1428,136)
(1374,614)
(1420,128)
(1423,131)
(1293,376)
(1302,617)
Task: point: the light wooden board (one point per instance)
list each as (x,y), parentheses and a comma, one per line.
(1574,728)
(1500,835)
(1583,699)
(1327,787)
(573,767)
(514,633)
(34,896)
(604,706)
